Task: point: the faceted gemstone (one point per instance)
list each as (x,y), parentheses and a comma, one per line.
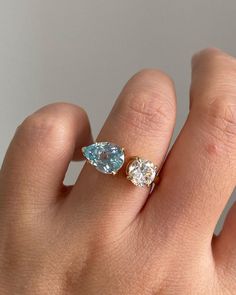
(107,157)
(141,172)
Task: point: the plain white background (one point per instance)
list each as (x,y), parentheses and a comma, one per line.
(84,51)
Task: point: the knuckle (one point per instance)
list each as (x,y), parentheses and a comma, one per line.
(49,127)
(64,108)
(154,79)
(40,125)
(214,76)
(148,74)
(207,53)
(146,109)
(53,120)
(149,103)
(220,117)
(44,133)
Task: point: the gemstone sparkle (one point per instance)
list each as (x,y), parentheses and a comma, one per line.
(107,157)
(141,172)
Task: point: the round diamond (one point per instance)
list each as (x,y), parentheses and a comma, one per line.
(141,172)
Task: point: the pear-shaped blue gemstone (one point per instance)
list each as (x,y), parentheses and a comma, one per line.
(107,157)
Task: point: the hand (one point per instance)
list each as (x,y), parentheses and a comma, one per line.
(104,235)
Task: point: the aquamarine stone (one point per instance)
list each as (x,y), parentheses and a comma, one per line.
(107,157)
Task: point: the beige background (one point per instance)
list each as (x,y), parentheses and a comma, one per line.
(84,51)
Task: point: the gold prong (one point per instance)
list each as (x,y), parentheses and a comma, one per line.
(157,179)
(127,168)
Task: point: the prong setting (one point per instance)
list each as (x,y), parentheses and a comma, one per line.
(141,172)
(106,157)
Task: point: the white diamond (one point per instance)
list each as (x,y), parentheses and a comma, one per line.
(141,172)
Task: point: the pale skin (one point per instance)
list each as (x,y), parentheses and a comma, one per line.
(104,235)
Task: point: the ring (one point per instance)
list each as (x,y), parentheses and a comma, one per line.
(106,157)
(141,172)
(109,158)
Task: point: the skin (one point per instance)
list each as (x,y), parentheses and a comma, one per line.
(104,235)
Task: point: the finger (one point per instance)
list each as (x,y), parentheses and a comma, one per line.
(142,122)
(39,154)
(199,174)
(224,245)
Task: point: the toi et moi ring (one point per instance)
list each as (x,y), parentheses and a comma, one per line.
(109,158)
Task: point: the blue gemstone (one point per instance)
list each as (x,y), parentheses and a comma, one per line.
(107,157)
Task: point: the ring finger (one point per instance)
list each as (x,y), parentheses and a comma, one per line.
(142,122)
